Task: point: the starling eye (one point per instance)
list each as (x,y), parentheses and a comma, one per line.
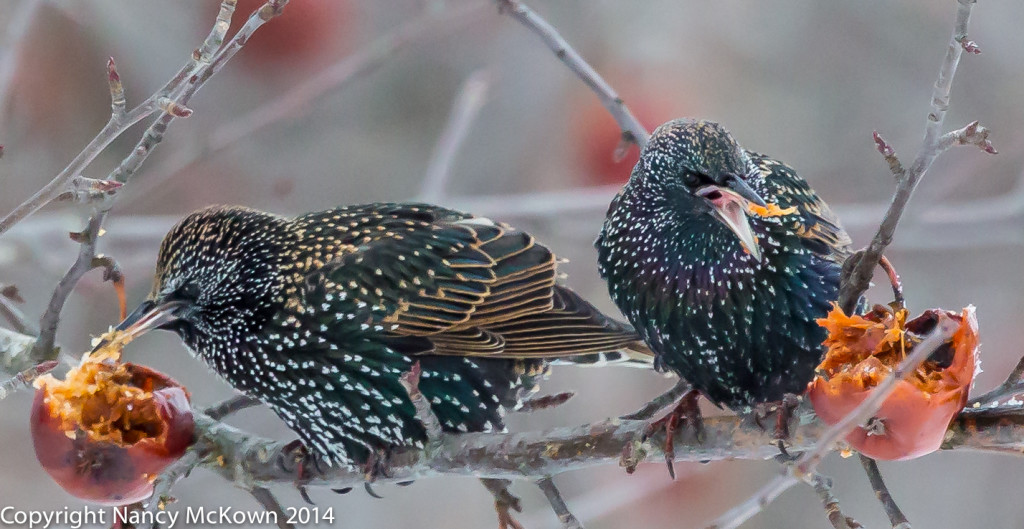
(691,179)
(189,291)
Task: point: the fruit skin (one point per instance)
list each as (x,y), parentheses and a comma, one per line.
(105,472)
(915,417)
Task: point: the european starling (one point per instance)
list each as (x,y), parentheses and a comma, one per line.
(319,316)
(724,290)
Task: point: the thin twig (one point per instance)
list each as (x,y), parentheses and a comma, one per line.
(551,492)
(297,101)
(270,503)
(893,511)
(1011,387)
(171,475)
(8,297)
(857,274)
(24,379)
(14,41)
(232,405)
(632,130)
(806,464)
(206,61)
(823,486)
(464,111)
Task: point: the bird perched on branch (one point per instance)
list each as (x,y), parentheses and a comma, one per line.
(320,316)
(722,259)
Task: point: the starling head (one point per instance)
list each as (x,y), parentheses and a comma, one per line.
(700,166)
(219,277)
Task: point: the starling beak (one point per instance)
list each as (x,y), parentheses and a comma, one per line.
(725,296)
(319,316)
(731,209)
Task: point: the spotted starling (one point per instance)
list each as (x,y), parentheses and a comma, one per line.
(724,290)
(319,316)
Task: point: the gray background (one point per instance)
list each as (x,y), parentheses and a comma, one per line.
(804,81)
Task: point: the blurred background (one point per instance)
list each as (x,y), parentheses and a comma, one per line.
(346,101)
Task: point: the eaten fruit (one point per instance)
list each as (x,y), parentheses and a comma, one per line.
(864,350)
(107,430)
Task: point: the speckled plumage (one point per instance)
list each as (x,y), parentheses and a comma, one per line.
(318,316)
(741,329)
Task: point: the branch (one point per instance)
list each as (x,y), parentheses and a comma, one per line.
(632,130)
(859,269)
(464,111)
(893,511)
(293,103)
(8,297)
(569,521)
(25,378)
(270,503)
(804,467)
(206,61)
(823,487)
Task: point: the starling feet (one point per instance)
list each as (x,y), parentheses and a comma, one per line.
(783,411)
(297,454)
(686,412)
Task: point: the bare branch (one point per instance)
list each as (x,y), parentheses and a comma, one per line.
(632,130)
(231,406)
(24,379)
(971,134)
(803,468)
(464,111)
(893,511)
(295,102)
(172,98)
(823,486)
(8,297)
(860,268)
(14,42)
(270,503)
(569,521)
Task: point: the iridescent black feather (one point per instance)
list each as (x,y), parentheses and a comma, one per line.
(319,316)
(741,329)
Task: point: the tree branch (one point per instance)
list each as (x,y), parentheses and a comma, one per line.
(464,111)
(804,467)
(859,269)
(632,130)
(568,520)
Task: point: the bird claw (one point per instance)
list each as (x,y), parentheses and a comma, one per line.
(686,412)
(303,459)
(376,466)
(783,411)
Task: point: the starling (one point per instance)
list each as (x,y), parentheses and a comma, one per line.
(319,316)
(724,288)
